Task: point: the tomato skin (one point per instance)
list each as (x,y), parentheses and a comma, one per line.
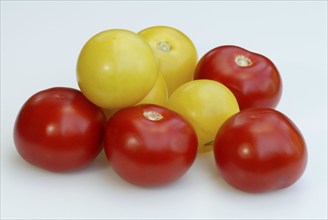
(259,150)
(58,129)
(255,84)
(146,152)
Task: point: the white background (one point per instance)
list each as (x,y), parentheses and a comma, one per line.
(40,42)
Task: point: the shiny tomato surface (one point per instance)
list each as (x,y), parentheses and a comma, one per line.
(58,129)
(259,150)
(252,78)
(149,145)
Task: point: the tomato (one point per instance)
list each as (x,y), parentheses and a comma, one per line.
(158,95)
(206,104)
(176,54)
(149,145)
(259,150)
(116,68)
(253,78)
(58,129)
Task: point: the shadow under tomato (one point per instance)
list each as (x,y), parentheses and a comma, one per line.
(101,161)
(206,162)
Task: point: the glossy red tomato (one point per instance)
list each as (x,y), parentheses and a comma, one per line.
(252,78)
(259,150)
(150,145)
(58,129)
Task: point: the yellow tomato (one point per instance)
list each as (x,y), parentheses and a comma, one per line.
(176,54)
(206,104)
(116,68)
(158,95)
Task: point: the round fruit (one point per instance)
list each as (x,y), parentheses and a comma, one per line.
(252,78)
(150,145)
(206,104)
(116,68)
(58,129)
(259,150)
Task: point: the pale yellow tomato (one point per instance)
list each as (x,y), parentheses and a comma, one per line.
(116,68)
(176,54)
(206,104)
(158,95)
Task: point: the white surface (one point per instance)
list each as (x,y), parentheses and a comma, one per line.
(40,42)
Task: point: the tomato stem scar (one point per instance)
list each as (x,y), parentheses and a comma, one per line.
(243,61)
(164,46)
(153,116)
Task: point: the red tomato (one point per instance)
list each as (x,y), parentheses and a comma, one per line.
(252,78)
(259,150)
(59,129)
(150,145)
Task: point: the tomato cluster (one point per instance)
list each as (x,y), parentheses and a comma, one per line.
(147,100)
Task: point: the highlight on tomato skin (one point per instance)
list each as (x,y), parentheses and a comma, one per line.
(60,130)
(253,78)
(260,150)
(149,145)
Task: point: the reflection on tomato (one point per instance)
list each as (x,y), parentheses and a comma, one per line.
(176,54)
(260,149)
(252,78)
(149,145)
(58,129)
(206,104)
(116,68)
